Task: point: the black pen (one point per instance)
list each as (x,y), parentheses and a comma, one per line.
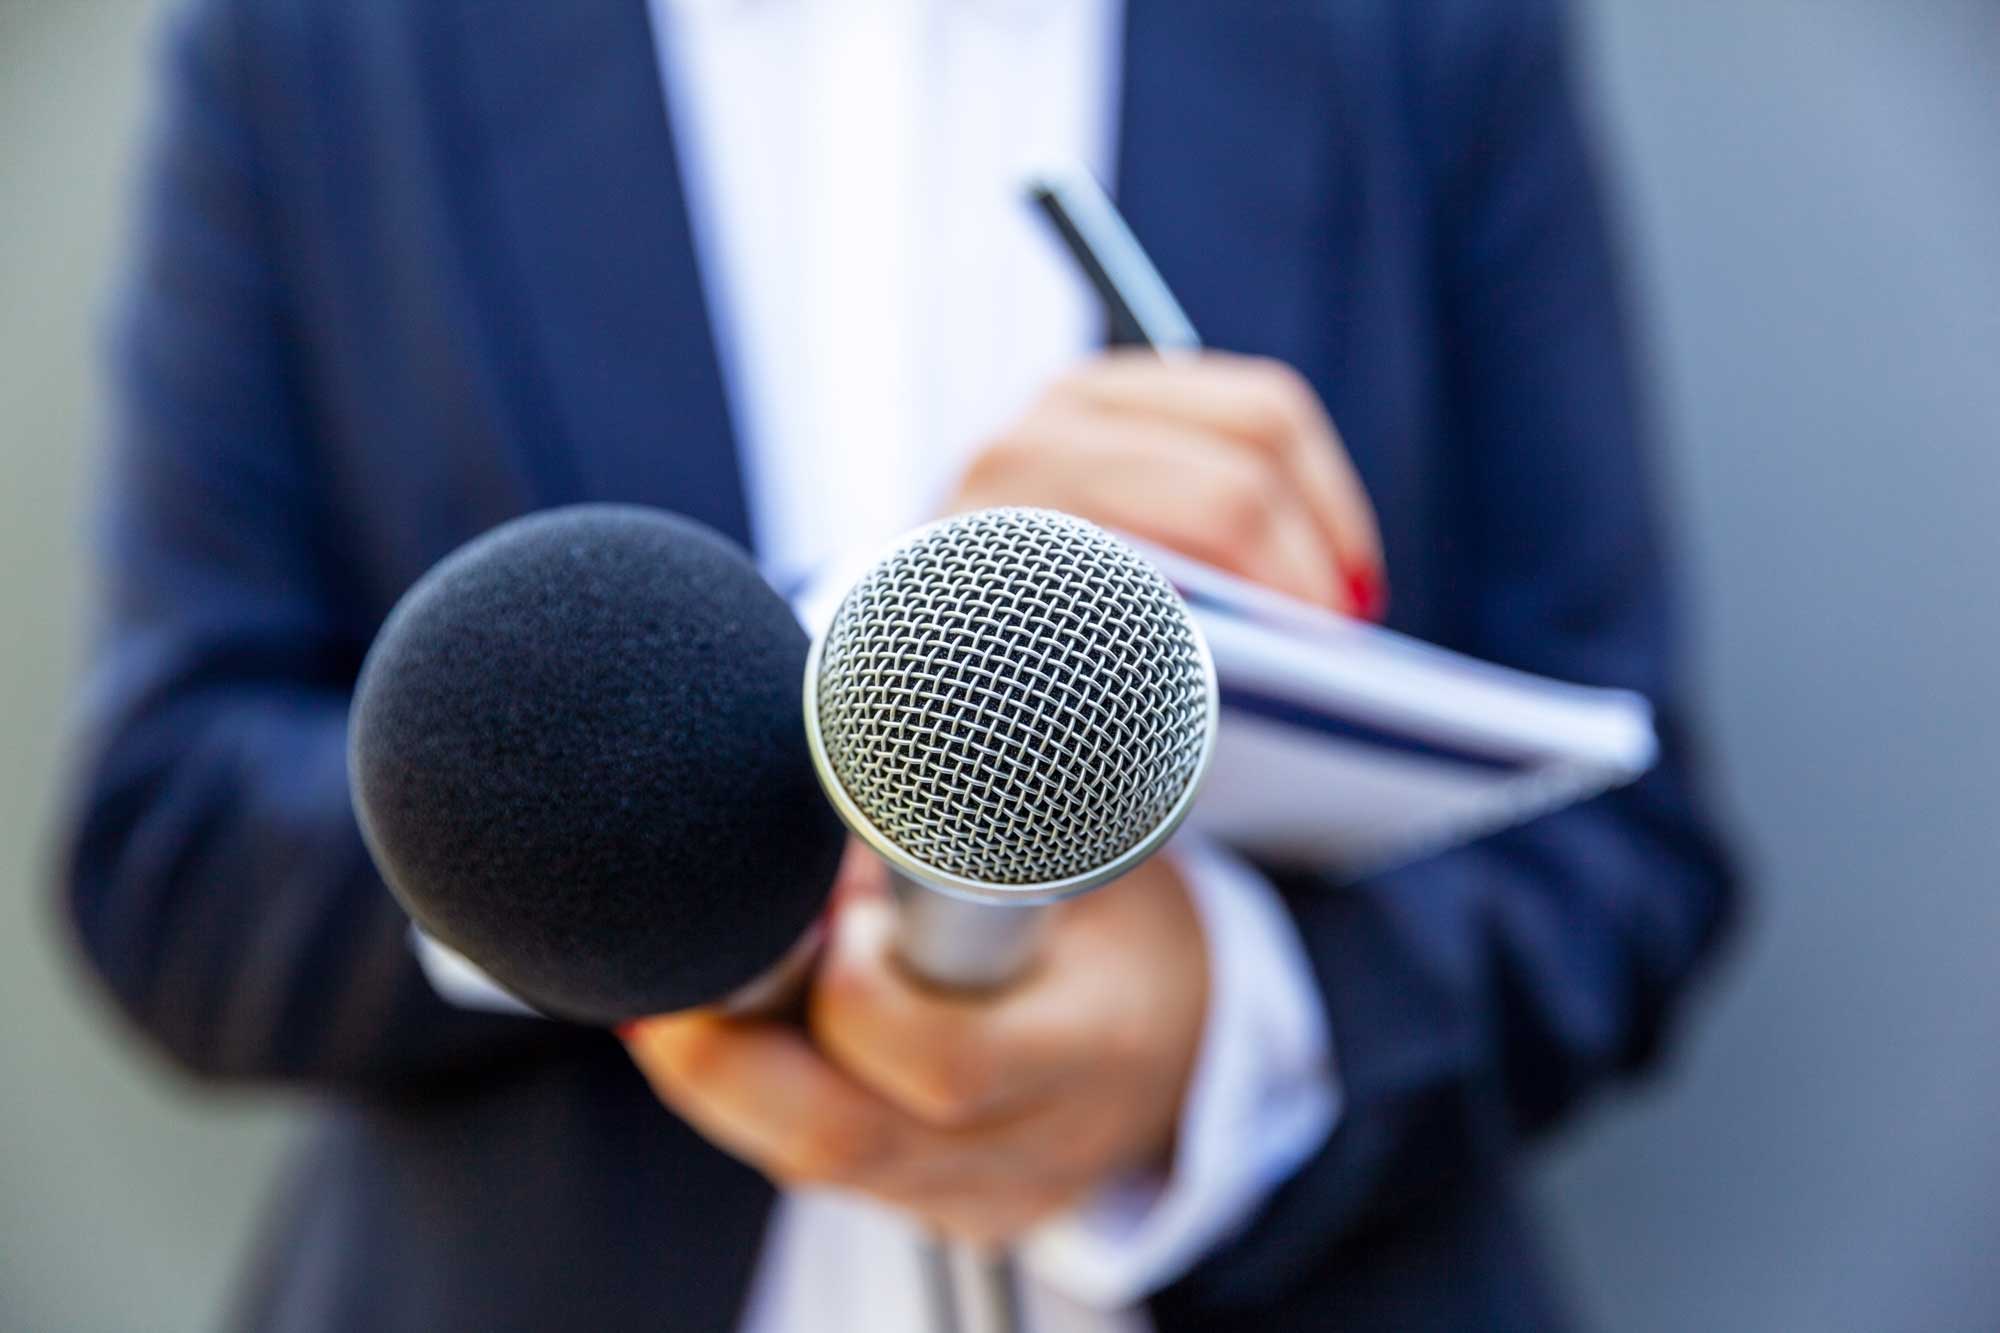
(1143,311)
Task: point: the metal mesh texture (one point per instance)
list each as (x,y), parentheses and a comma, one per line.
(1015,697)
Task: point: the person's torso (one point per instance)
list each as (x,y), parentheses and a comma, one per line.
(497,304)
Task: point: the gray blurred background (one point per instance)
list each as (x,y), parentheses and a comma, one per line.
(1813,188)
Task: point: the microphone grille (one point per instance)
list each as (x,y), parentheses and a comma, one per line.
(1014,697)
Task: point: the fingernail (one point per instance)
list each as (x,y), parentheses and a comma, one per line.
(627,1030)
(1365,589)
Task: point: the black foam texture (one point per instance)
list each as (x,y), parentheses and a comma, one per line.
(578,756)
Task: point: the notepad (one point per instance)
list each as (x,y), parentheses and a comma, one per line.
(1347,746)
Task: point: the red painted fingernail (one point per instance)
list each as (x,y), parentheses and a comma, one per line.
(1365,588)
(626,1031)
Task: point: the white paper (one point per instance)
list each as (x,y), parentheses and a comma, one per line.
(1346,745)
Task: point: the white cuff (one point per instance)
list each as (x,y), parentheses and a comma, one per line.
(1262,1099)
(460,983)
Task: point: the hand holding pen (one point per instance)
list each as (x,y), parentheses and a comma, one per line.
(1230,459)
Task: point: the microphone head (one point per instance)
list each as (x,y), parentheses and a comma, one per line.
(1013,706)
(576,757)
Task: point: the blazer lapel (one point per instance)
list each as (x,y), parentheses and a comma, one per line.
(1225,161)
(579,181)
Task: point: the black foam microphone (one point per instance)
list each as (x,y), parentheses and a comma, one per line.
(576,757)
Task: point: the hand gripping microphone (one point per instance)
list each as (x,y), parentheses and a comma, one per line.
(576,755)
(1011,708)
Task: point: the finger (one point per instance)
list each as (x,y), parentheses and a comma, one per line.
(1265,405)
(1222,507)
(760,1091)
(1179,486)
(1277,391)
(862,877)
(1300,550)
(949,1060)
(1009,1176)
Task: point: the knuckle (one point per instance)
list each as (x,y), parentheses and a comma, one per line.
(1281,385)
(1270,425)
(953,1091)
(1283,400)
(1243,507)
(829,1016)
(833,1150)
(692,1056)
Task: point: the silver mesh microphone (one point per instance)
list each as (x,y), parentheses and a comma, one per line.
(1010,708)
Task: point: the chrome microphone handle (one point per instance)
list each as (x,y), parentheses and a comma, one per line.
(957,944)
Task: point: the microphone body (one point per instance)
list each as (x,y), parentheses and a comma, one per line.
(957,944)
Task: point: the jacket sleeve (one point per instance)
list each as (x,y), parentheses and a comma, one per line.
(1480,996)
(211,863)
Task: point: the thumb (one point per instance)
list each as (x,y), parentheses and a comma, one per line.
(863,877)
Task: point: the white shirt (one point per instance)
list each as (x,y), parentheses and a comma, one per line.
(884,301)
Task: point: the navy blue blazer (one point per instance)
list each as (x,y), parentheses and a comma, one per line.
(406,268)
